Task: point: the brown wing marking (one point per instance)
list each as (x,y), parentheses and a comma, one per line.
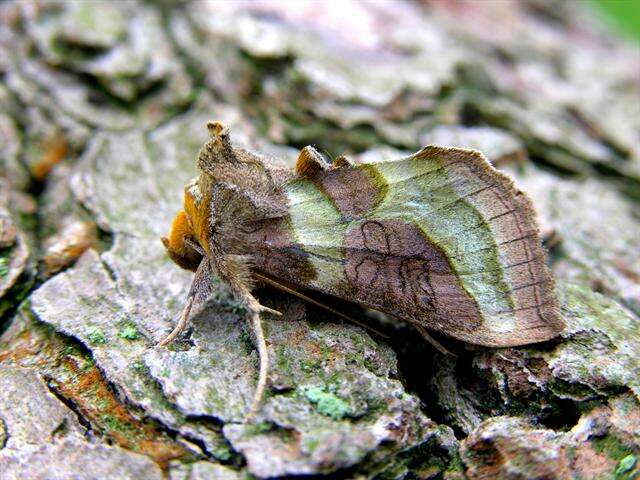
(354,191)
(393,267)
(273,250)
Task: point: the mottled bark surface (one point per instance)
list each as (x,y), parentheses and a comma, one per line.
(103,107)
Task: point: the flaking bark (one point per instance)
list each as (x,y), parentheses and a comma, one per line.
(126,87)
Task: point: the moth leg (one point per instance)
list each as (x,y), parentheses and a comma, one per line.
(199,291)
(235,271)
(342,162)
(310,162)
(182,323)
(254,308)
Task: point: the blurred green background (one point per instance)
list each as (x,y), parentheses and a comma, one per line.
(623,15)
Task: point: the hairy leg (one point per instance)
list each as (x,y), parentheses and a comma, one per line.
(182,323)
(234,270)
(254,308)
(199,292)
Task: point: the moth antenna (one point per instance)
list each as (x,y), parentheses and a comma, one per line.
(182,323)
(310,300)
(438,346)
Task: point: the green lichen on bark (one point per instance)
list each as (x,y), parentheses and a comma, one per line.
(327,403)
(96,336)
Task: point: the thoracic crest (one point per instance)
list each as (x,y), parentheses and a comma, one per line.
(440,239)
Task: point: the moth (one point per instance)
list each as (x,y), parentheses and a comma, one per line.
(439,239)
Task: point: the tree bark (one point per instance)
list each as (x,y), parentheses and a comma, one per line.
(104,107)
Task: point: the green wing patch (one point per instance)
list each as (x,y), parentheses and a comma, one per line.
(439,238)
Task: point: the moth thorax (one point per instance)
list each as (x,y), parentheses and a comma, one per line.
(216,151)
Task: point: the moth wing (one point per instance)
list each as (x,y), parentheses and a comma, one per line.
(439,238)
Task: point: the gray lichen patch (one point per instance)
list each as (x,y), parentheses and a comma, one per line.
(74,377)
(72,455)
(204,471)
(148,170)
(510,447)
(215,377)
(602,346)
(28,424)
(317,89)
(425,69)
(43,437)
(83,302)
(121,46)
(338,411)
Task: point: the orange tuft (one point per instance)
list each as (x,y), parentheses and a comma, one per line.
(199,212)
(181,229)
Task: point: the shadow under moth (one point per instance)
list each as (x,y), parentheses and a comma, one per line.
(439,239)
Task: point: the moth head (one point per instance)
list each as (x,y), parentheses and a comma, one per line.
(177,243)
